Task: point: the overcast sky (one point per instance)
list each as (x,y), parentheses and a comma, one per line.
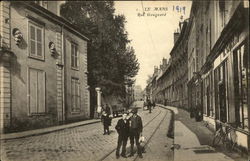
(151,34)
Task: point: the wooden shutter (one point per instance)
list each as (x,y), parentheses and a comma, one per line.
(72,56)
(76,56)
(78,94)
(73,94)
(32,40)
(39,41)
(41,92)
(36,91)
(33,91)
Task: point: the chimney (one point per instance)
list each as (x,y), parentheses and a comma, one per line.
(176,36)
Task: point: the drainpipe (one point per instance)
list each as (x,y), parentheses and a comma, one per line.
(63,76)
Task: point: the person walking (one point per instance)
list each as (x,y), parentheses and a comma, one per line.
(135,131)
(122,129)
(106,122)
(149,106)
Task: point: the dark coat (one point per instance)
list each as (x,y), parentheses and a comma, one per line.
(106,120)
(122,128)
(135,123)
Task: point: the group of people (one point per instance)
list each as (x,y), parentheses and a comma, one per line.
(149,104)
(128,127)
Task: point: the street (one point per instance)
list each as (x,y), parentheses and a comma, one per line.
(88,142)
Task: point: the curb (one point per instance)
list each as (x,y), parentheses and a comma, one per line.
(37,132)
(170,132)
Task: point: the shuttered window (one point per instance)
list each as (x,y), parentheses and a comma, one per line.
(74,56)
(36,41)
(75,94)
(36,91)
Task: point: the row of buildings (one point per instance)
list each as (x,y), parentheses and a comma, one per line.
(208,72)
(43,67)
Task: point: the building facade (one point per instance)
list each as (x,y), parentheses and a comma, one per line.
(169,81)
(43,67)
(224,70)
(138,93)
(218,65)
(209,71)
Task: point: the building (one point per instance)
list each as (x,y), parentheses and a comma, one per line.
(209,69)
(138,93)
(218,67)
(43,67)
(169,81)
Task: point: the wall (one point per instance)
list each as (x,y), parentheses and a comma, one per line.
(20,64)
(81,74)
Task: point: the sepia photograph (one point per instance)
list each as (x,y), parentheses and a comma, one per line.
(90,80)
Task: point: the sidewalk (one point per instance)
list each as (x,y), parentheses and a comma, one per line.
(192,140)
(46,130)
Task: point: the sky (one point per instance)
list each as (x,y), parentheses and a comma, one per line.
(152,32)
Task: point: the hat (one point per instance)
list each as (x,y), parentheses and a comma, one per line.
(134,110)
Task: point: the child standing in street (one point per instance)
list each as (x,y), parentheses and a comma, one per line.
(106,122)
(122,129)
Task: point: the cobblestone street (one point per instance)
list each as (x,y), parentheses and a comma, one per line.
(79,143)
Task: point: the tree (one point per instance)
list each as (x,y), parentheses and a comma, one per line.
(111,61)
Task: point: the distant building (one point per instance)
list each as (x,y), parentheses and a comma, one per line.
(138,93)
(43,67)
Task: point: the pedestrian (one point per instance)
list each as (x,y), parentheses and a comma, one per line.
(153,104)
(149,106)
(106,122)
(107,109)
(122,129)
(135,131)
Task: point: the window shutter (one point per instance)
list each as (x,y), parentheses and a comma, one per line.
(32,40)
(33,91)
(77,56)
(41,92)
(73,94)
(72,56)
(39,41)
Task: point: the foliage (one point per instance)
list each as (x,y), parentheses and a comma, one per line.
(111,62)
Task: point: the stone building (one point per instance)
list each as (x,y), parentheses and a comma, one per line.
(169,82)
(43,67)
(209,71)
(218,65)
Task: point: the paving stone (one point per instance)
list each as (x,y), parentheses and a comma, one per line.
(78,143)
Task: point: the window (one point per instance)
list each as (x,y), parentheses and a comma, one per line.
(36,91)
(74,56)
(36,41)
(241,61)
(221,88)
(75,94)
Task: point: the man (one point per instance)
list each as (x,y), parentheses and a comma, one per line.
(135,131)
(122,129)
(149,106)
(106,122)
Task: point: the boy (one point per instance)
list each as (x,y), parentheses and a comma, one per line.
(122,128)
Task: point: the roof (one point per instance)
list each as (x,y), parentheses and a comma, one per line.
(53,17)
